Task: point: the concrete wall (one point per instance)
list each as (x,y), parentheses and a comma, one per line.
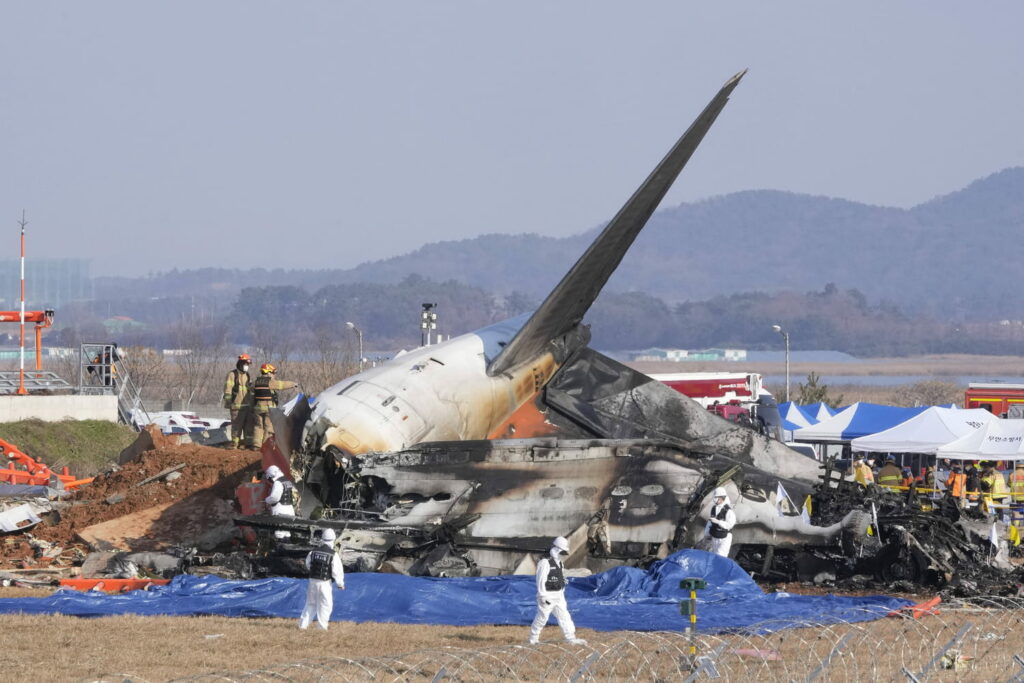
(57,408)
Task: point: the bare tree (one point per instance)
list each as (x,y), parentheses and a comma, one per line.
(200,349)
(928,393)
(332,358)
(147,367)
(273,341)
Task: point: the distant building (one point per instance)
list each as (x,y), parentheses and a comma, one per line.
(49,282)
(680,355)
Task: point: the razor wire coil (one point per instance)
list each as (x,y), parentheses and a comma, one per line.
(977,639)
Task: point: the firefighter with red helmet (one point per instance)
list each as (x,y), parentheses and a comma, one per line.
(263,398)
(236,395)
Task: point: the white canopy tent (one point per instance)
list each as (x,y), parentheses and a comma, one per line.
(996,440)
(925,432)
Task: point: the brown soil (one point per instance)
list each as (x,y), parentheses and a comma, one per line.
(189,504)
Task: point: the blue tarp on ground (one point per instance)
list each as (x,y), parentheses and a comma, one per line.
(623,598)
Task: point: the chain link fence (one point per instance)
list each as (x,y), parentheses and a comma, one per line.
(980,639)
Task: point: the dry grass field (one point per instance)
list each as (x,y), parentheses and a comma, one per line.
(62,648)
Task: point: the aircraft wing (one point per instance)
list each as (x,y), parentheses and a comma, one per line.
(568,302)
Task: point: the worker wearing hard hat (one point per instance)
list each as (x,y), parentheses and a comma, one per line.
(282,498)
(720,522)
(236,392)
(861,472)
(264,397)
(324,568)
(551,594)
(890,475)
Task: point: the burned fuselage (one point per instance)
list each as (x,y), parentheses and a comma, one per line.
(619,500)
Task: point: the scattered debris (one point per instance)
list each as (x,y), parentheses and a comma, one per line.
(18,518)
(162,474)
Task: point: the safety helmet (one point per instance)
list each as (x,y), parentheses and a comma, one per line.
(561,543)
(891,458)
(267,369)
(328,535)
(245,357)
(273,472)
(720,493)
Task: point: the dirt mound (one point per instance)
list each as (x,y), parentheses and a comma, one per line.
(207,472)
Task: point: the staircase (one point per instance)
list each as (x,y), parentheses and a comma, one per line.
(102,371)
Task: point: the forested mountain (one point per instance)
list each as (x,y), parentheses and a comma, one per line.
(958,256)
(839,275)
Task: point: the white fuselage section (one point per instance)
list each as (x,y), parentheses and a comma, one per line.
(433,393)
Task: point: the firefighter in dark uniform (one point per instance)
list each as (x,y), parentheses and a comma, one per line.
(324,568)
(264,397)
(890,475)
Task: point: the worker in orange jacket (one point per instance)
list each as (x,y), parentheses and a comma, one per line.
(956,484)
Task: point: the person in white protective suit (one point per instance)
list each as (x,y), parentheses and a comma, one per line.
(325,571)
(281,500)
(720,523)
(551,595)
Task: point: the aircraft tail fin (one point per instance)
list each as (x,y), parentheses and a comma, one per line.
(570,300)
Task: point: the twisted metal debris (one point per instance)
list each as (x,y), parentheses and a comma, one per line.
(980,639)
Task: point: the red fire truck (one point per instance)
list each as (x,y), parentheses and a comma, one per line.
(998,397)
(735,396)
(710,388)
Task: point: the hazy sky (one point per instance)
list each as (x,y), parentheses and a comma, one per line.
(152,135)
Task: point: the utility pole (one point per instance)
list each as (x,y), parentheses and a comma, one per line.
(785,338)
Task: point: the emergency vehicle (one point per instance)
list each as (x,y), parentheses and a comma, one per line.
(998,397)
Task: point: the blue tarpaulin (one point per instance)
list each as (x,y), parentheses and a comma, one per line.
(623,598)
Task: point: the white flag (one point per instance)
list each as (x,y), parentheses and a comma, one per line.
(804,516)
(780,495)
(993,536)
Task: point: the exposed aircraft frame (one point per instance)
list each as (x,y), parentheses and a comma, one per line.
(412,461)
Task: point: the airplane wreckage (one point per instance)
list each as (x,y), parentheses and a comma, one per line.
(468,456)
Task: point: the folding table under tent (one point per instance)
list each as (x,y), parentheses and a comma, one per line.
(995,440)
(859,419)
(925,432)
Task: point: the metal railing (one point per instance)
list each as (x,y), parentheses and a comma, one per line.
(101,371)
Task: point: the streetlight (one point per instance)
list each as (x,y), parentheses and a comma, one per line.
(785,337)
(359,334)
(428,322)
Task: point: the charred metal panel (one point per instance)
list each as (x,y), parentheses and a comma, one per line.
(612,401)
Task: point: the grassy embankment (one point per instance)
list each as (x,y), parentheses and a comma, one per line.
(85,446)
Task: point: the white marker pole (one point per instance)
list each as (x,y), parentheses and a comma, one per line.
(21,374)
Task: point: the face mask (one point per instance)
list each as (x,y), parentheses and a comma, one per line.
(245,368)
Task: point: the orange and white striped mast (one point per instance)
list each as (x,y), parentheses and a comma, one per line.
(21,375)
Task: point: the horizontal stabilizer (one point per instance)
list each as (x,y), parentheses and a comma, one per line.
(568,302)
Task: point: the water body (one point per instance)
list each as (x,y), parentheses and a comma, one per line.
(886,380)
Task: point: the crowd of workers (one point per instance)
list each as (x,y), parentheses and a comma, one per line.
(250,400)
(972,484)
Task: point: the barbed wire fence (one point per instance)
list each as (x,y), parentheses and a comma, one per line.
(977,639)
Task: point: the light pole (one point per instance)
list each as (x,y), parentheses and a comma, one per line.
(428,322)
(785,338)
(359,334)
